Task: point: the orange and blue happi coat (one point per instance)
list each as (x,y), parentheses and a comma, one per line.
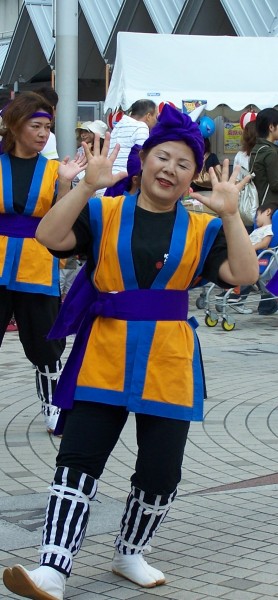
(26,265)
(148,366)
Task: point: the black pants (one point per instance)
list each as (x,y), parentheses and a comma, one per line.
(34,315)
(93,429)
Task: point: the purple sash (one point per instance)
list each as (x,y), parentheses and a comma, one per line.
(272,285)
(18,226)
(130,305)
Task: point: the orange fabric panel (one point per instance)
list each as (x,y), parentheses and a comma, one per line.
(47,188)
(3,252)
(36,263)
(104,361)
(172,352)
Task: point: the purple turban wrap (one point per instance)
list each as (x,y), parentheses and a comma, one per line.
(133,167)
(172,125)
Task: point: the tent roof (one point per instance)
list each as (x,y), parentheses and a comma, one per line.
(218,69)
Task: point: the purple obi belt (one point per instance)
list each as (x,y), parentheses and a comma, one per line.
(84,303)
(18,226)
(272,285)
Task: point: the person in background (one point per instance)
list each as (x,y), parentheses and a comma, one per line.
(133,128)
(69,269)
(29,275)
(51,96)
(49,151)
(248,141)
(260,238)
(264,163)
(86,133)
(135,350)
(264,157)
(203,182)
(131,183)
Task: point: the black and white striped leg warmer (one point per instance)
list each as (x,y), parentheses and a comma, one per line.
(46,381)
(66,518)
(141,519)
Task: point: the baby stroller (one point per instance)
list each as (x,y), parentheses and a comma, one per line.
(224,305)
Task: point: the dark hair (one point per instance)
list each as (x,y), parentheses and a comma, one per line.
(5,98)
(17,112)
(49,94)
(265,118)
(261,209)
(249,137)
(140,108)
(207,145)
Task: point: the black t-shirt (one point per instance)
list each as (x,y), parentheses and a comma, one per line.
(22,174)
(151,238)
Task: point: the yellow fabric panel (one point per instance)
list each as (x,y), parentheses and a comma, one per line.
(47,188)
(109,277)
(3,251)
(36,263)
(104,361)
(172,354)
(191,255)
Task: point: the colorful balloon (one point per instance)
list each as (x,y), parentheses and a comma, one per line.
(206,126)
(246,117)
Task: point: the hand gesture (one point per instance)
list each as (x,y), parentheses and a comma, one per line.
(68,169)
(99,166)
(224,197)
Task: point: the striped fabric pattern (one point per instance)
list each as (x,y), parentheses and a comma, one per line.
(142,517)
(66,518)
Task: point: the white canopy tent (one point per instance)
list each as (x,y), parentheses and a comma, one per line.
(235,71)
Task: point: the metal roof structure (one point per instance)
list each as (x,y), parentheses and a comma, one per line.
(253,17)
(30,54)
(31,44)
(164,14)
(4,45)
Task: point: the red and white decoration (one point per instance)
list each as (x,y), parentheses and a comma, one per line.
(160,106)
(113,118)
(247,117)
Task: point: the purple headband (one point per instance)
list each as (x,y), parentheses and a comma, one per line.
(173,125)
(41,114)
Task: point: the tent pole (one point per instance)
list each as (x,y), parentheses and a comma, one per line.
(107,76)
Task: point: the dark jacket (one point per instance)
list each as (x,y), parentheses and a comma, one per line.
(265,167)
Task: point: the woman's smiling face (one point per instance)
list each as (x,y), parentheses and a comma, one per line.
(168,170)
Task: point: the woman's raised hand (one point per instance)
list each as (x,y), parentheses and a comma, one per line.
(223,199)
(99,166)
(68,169)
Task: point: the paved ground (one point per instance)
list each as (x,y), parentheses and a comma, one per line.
(220,539)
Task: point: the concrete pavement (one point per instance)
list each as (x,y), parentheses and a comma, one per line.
(220,538)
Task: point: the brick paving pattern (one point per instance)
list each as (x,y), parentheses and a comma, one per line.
(219,540)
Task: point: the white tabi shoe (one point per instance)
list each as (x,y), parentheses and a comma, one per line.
(43,583)
(51,414)
(134,568)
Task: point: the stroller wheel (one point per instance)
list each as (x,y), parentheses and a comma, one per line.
(200,302)
(227,326)
(210,322)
